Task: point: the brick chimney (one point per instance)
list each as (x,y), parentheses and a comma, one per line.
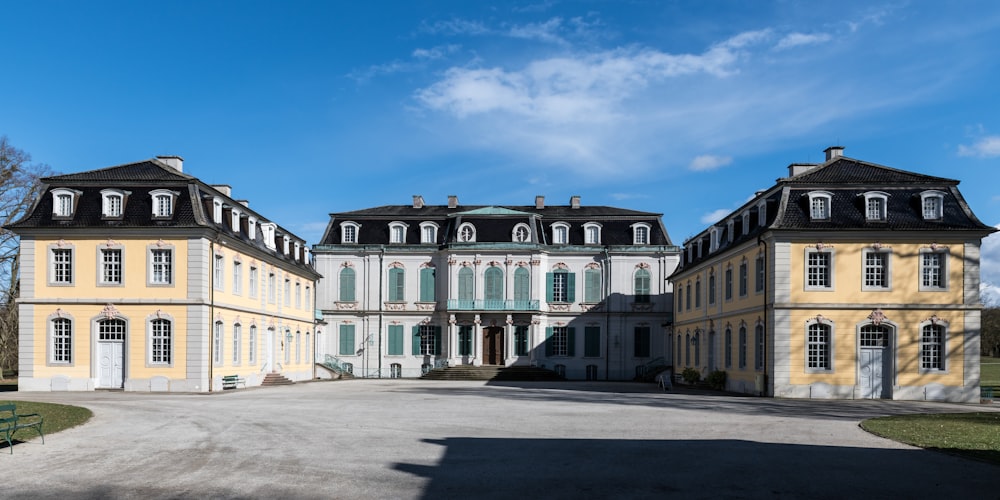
(539,202)
(574,202)
(174,162)
(418,201)
(452,201)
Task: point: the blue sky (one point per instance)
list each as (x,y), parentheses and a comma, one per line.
(682,108)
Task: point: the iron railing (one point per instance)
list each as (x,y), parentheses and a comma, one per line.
(492,305)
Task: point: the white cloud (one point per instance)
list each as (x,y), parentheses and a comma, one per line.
(798,39)
(546,32)
(704,163)
(455,27)
(989,268)
(714,216)
(987,147)
(438,52)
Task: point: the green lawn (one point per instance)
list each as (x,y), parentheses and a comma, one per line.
(990,374)
(56,417)
(973,435)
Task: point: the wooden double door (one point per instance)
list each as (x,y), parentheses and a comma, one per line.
(493,345)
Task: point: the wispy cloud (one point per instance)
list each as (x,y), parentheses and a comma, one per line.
(417,62)
(798,39)
(455,27)
(705,163)
(434,53)
(714,216)
(547,31)
(986,147)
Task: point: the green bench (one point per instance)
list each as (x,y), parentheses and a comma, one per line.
(230,381)
(11,422)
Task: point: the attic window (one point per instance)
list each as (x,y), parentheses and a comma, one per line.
(592,233)
(217,210)
(875,205)
(714,237)
(64,202)
(729,230)
(235,220)
(467,233)
(428,232)
(349,232)
(746,223)
(819,205)
(762,213)
(932,205)
(521,234)
(640,234)
(560,233)
(284,246)
(252,228)
(267,229)
(397,232)
(163,203)
(112,203)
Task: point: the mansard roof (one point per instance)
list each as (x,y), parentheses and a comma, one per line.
(844,171)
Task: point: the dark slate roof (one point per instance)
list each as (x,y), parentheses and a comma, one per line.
(495,224)
(143,171)
(843,171)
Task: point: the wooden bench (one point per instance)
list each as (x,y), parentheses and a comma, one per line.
(11,422)
(230,382)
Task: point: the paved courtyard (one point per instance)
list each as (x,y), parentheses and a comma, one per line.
(403,439)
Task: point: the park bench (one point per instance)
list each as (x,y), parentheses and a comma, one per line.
(230,381)
(11,422)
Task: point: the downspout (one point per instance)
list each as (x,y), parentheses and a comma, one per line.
(607,318)
(211,313)
(381,257)
(763,355)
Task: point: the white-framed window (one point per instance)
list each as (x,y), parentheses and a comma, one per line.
(713,234)
(308,299)
(762,213)
(876,203)
(711,286)
(687,295)
(933,269)
(521,233)
(428,232)
(268,229)
(64,202)
(397,232)
(560,233)
(217,343)
(759,275)
(592,233)
(819,205)
(163,203)
(349,232)
(217,210)
(237,343)
(112,203)
(729,230)
(271,288)
(61,341)
(729,282)
(819,269)
(252,280)
(641,287)
(298,346)
(284,244)
(252,228)
(745,220)
(560,287)
(559,341)
(932,205)
(466,233)
(234,220)
(61,264)
(161,342)
(758,342)
(161,266)
(640,233)
(877,269)
(237,277)
(111,266)
(428,337)
(744,277)
(933,353)
(819,346)
(298,295)
(252,345)
(288,292)
(697,292)
(219,272)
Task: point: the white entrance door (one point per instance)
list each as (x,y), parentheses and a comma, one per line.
(269,346)
(110,356)
(874,363)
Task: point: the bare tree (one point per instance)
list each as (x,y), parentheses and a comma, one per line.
(990,344)
(19,187)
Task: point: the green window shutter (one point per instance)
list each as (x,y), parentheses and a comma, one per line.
(548,341)
(427,284)
(548,286)
(570,287)
(395,340)
(493,284)
(347,340)
(592,341)
(347,286)
(592,286)
(522,284)
(437,340)
(571,341)
(465,284)
(416,340)
(397,284)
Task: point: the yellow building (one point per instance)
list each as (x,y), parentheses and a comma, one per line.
(143,278)
(845,279)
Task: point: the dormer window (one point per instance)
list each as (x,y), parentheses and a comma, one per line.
(521,234)
(349,232)
(560,233)
(112,203)
(428,232)
(746,222)
(64,202)
(252,228)
(640,234)
(397,232)
(592,233)
(297,249)
(217,210)
(729,230)
(932,205)
(875,205)
(467,233)
(284,245)
(267,229)
(819,205)
(163,203)
(234,221)
(762,213)
(714,237)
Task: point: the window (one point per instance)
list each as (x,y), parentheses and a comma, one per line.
(427,287)
(591,341)
(395,370)
(522,285)
(680,298)
(298,346)
(875,206)
(347,340)
(758,353)
(640,234)
(711,286)
(743,277)
(272,289)
(759,277)
(428,232)
(397,232)
(287,345)
(561,286)
(697,347)
(62,340)
(61,266)
(819,205)
(64,202)
(430,342)
(397,284)
(745,222)
(642,342)
(217,210)
(237,277)
(288,292)
(160,342)
(465,340)
(308,299)
(252,228)
(111,266)
(642,285)
(687,295)
(217,343)
(521,340)
(466,283)
(234,220)
(467,233)
(762,213)
(112,203)
(349,232)
(163,203)
(876,269)
(592,286)
(713,243)
(729,348)
(687,349)
(253,281)
(818,344)
(237,345)
(933,270)
(932,205)
(558,341)
(592,233)
(819,269)
(252,344)
(932,351)
(218,271)
(697,292)
(267,230)
(161,269)
(521,234)
(395,347)
(729,231)
(560,233)
(347,286)
(493,285)
(743,347)
(729,283)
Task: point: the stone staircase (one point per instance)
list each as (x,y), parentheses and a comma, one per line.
(273,379)
(496,373)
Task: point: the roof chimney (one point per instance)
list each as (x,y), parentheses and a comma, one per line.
(452,201)
(539,202)
(833,152)
(225,189)
(418,201)
(245,203)
(574,201)
(800,168)
(174,162)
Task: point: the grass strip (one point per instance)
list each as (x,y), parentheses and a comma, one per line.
(972,435)
(56,417)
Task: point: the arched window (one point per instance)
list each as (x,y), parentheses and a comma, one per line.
(397,232)
(521,233)
(522,285)
(592,233)
(642,285)
(592,286)
(493,281)
(467,233)
(640,234)
(466,284)
(347,285)
(348,232)
(560,233)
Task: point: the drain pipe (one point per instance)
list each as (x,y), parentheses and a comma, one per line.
(607,317)
(763,355)
(381,257)
(211,313)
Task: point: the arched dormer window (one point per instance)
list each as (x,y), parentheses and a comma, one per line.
(467,233)
(397,232)
(521,233)
(64,202)
(234,220)
(932,205)
(875,206)
(592,233)
(113,203)
(349,232)
(284,244)
(560,233)
(252,228)
(163,201)
(819,205)
(640,233)
(217,210)
(267,229)
(428,232)
(714,237)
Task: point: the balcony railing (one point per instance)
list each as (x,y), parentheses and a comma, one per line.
(492,305)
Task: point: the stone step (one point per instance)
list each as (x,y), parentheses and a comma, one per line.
(272,379)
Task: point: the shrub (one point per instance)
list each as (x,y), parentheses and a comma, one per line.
(690,376)
(716,380)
